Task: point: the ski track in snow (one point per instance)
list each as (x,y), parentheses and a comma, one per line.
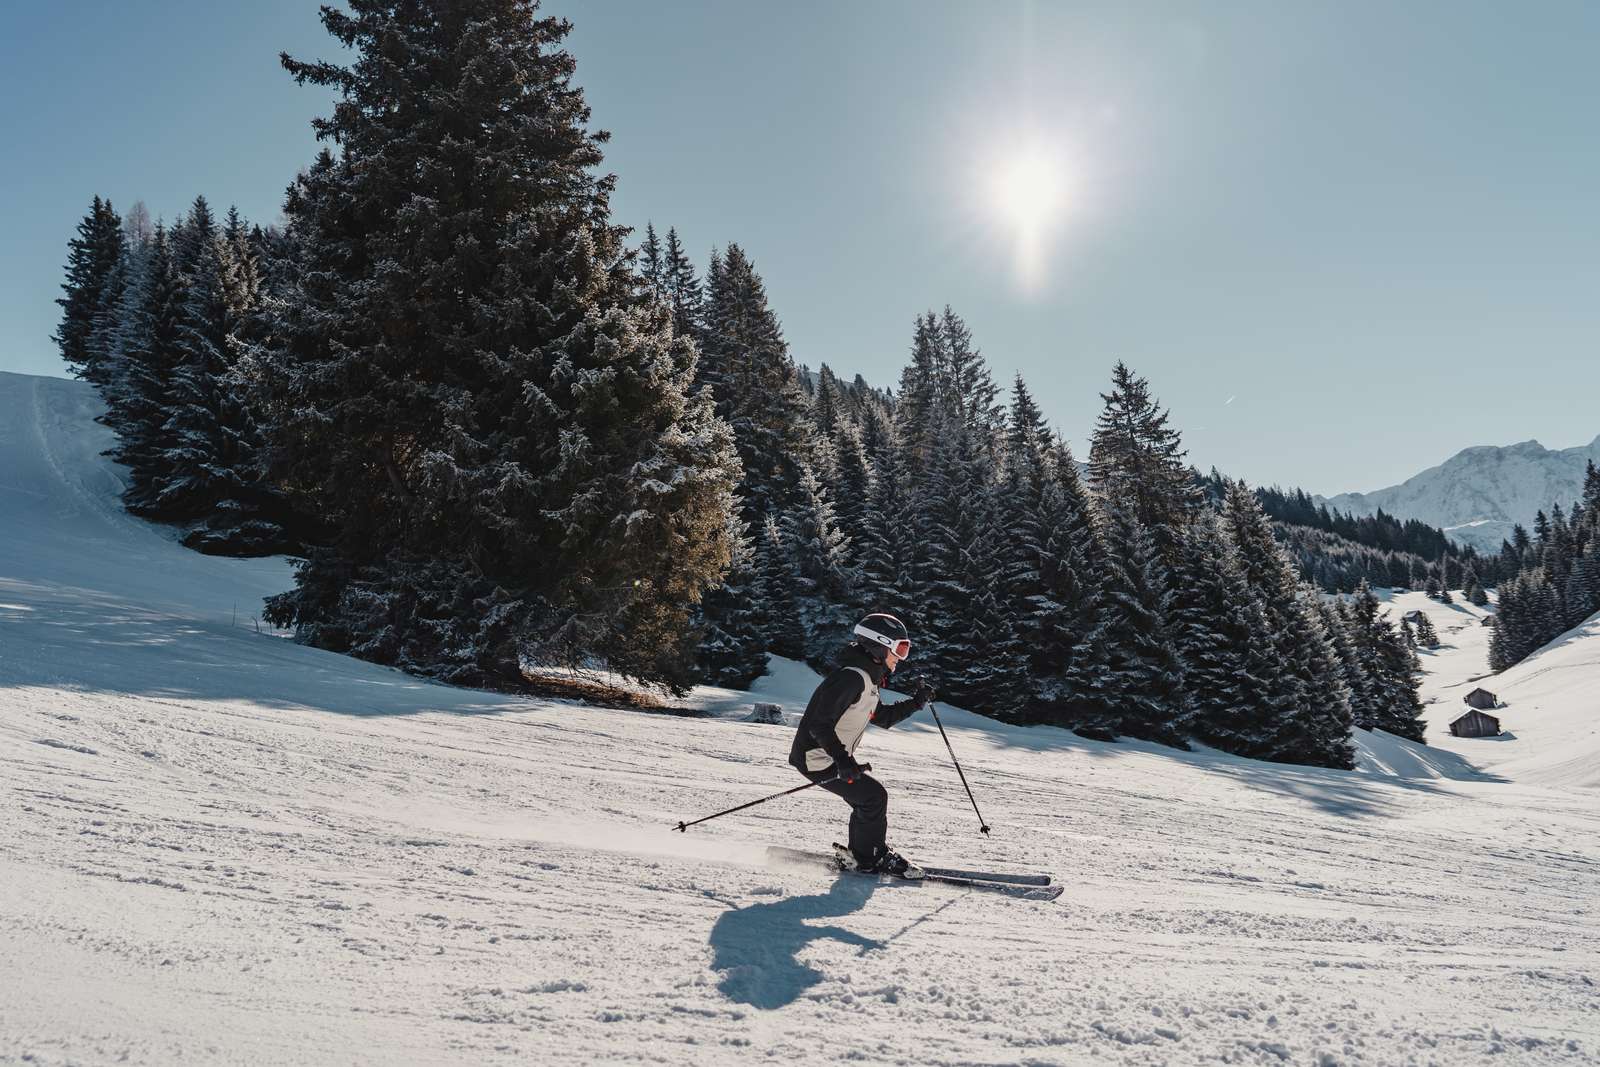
(220,847)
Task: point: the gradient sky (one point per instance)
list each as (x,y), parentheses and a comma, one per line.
(1343,240)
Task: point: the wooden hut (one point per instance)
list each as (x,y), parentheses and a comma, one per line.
(1475,724)
(1481,699)
(1413,616)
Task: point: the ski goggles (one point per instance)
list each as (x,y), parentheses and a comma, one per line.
(901,648)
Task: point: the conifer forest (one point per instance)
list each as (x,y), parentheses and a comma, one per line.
(498,432)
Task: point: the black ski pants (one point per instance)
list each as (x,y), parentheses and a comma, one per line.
(869,811)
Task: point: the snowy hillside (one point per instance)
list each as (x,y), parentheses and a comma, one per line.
(1551,718)
(221,847)
(1477,495)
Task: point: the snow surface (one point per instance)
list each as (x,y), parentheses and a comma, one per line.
(220,847)
(1477,495)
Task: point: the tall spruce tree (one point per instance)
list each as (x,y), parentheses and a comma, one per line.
(683,288)
(967,381)
(1056,573)
(463,378)
(922,387)
(785,630)
(1136,459)
(211,473)
(1308,681)
(1148,698)
(961,565)
(745,362)
(825,572)
(1223,638)
(652,260)
(887,545)
(732,619)
(93,257)
(149,335)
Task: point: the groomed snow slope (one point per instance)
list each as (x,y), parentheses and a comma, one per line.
(219,847)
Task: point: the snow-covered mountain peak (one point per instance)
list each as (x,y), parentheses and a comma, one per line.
(1479,494)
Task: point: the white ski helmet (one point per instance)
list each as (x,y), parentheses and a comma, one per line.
(881,634)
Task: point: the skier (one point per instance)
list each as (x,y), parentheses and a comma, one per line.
(836,717)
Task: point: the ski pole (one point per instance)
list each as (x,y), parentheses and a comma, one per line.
(683,827)
(983,826)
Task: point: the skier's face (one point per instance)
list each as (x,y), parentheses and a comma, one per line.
(891,661)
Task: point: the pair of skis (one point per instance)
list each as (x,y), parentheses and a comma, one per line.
(1024,886)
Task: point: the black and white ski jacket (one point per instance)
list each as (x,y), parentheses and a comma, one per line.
(839,711)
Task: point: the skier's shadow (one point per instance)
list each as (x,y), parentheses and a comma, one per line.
(757,947)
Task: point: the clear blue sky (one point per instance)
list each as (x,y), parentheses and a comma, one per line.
(1343,240)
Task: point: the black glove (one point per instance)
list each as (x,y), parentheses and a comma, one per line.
(923,694)
(847,770)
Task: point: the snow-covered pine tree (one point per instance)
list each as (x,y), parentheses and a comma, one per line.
(464,380)
(887,547)
(922,385)
(191,242)
(1136,459)
(1222,640)
(1335,622)
(1511,640)
(732,619)
(683,288)
(147,351)
(1147,696)
(745,362)
(1054,597)
(1390,668)
(102,364)
(1427,636)
(1587,573)
(115,332)
(1308,682)
(1590,502)
(851,486)
(785,632)
(242,278)
(827,579)
(968,385)
(211,472)
(825,401)
(652,260)
(92,258)
(961,568)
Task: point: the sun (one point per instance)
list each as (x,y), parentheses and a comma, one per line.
(1028,189)
(1029,195)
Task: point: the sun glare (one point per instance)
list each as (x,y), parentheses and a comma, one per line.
(1029,190)
(1028,198)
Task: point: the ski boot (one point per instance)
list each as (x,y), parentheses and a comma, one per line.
(886,862)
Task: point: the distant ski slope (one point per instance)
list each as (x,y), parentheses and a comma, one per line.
(221,847)
(1551,720)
